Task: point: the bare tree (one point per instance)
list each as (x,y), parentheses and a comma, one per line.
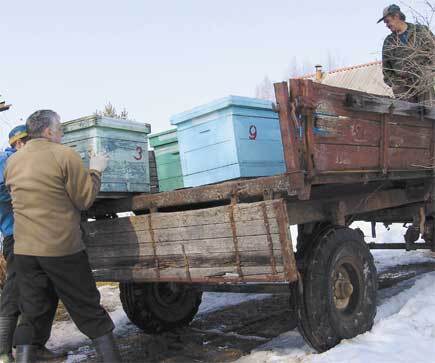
(333,61)
(293,69)
(307,67)
(264,90)
(110,111)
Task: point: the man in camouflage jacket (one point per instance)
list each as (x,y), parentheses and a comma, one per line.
(408,58)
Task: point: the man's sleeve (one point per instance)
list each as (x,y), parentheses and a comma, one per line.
(81,184)
(4,192)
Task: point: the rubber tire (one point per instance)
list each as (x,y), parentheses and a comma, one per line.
(144,308)
(319,321)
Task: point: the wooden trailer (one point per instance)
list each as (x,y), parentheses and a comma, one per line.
(349,156)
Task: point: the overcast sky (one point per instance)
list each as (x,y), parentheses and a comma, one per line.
(158,58)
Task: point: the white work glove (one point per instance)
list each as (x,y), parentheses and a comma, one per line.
(99,162)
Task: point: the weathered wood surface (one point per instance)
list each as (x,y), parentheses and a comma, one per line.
(154,180)
(279,185)
(354,131)
(242,242)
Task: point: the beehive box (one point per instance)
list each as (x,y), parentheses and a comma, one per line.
(124,141)
(233,137)
(167,154)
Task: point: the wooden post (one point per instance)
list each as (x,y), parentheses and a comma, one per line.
(290,141)
(288,132)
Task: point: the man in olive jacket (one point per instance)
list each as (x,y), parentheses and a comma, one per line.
(50,187)
(408,58)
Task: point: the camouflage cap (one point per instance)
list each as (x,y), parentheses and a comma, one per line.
(389,10)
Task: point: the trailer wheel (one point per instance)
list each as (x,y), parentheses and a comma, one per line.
(337,299)
(159,307)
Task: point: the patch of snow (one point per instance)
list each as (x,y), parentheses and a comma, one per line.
(403,332)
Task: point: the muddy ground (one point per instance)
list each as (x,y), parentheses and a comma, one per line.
(227,334)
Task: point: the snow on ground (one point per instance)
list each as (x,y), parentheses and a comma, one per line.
(404,331)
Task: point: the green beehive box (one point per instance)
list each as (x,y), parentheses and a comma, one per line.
(169,172)
(126,144)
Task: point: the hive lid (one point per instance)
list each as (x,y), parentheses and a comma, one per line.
(246,102)
(107,122)
(163,138)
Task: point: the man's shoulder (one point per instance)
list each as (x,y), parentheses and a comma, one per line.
(390,38)
(61,148)
(62,152)
(417,27)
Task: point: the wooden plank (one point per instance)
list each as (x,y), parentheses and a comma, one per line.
(288,256)
(125,247)
(409,158)
(356,104)
(188,233)
(244,212)
(224,259)
(384,105)
(346,131)
(384,143)
(205,275)
(364,103)
(345,157)
(405,136)
(217,192)
(288,130)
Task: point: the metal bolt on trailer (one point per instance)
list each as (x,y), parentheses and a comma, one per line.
(350,156)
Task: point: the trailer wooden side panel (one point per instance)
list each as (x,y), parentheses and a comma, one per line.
(235,243)
(339,138)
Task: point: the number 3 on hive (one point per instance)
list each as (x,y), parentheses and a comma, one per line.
(252,132)
(139,152)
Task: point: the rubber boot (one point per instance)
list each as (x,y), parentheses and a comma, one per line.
(7,328)
(25,353)
(107,349)
(44,354)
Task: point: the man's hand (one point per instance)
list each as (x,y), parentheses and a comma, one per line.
(99,162)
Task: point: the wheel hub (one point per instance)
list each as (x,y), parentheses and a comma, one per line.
(343,289)
(167,293)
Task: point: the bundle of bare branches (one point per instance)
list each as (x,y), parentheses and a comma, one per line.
(410,68)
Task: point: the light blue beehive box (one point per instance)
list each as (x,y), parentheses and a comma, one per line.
(233,137)
(124,141)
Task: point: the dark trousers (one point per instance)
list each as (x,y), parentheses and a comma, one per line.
(71,278)
(10,297)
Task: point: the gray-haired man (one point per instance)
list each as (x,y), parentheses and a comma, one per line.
(50,187)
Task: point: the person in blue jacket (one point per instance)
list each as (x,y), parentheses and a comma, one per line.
(9,307)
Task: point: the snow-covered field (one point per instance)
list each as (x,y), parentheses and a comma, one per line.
(404,329)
